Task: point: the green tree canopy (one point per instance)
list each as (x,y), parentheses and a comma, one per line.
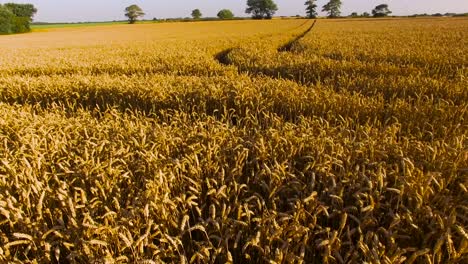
(311,8)
(381,11)
(16,18)
(225,14)
(22,10)
(261,8)
(333,8)
(133,12)
(6,20)
(196,14)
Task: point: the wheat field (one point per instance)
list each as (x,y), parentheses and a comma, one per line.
(282,141)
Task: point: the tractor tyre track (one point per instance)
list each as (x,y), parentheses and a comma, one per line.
(223,58)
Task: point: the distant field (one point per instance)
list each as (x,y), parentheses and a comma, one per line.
(282,141)
(66,25)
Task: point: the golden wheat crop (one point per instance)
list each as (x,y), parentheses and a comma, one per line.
(236,142)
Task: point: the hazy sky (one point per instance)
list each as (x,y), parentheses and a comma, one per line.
(105,10)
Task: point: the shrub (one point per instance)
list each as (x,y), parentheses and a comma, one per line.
(20,24)
(225,14)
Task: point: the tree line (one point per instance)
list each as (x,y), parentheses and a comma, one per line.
(133,12)
(259,9)
(16,18)
(333,9)
(265,9)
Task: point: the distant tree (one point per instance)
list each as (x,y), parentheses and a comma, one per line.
(196,14)
(381,11)
(311,8)
(225,14)
(333,8)
(261,8)
(365,14)
(354,14)
(133,12)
